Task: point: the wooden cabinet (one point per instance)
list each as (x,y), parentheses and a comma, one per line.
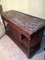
(25,40)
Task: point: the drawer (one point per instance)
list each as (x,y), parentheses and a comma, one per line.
(10,30)
(16,34)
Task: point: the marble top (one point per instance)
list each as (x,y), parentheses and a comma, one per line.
(30,23)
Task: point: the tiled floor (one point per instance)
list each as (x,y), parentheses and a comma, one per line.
(10,51)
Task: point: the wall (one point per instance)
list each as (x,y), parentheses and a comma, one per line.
(0,2)
(20,5)
(36,8)
(32,7)
(44,8)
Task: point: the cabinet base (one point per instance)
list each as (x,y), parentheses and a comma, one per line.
(34,50)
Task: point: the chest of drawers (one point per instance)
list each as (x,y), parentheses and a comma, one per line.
(25,30)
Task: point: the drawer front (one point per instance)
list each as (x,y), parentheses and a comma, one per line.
(16,34)
(11,31)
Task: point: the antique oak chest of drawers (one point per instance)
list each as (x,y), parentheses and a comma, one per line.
(25,30)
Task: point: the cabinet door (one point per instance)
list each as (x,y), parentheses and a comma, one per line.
(37,38)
